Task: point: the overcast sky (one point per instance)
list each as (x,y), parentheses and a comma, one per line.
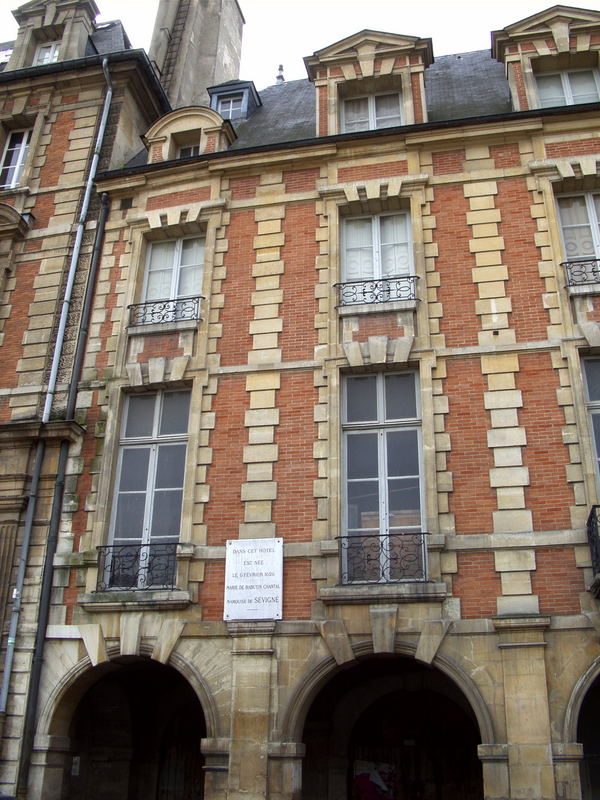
(284,31)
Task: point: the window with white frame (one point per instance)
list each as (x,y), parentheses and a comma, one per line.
(230,106)
(14,157)
(46,53)
(377,259)
(591,368)
(382,538)
(188,150)
(371,112)
(172,282)
(146,515)
(579,217)
(567,88)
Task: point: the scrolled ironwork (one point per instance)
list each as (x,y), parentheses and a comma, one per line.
(164,311)
(392,558)
(379,290)
(137,566)
(593,535)
(582,271)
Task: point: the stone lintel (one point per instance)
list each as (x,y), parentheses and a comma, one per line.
(30,431)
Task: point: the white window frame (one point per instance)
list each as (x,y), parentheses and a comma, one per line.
(376,245)
(151,442)
(53,49)
(583,271)
(372,120)
(225,105)
(564,76)
(21,151)
(593,410)
(382,573)
(175,268)
(194,150)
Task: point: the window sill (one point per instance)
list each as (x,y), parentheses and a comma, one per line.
(162,327)
(374,593)
(373,308)
(138,599)
(584,289)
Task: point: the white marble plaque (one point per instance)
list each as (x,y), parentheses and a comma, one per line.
(253,579)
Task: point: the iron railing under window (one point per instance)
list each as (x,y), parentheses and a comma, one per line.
(392,558)
(582,271)
(593,535)
(137,566)
(161,311)
(379,290)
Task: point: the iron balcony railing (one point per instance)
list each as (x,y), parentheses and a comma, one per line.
(137,566)
(593,535)
(161,311)
(392,558)
(582,271)
(378,290)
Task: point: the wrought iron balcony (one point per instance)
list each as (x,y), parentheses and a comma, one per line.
(582,271)
(593,535)
(380,290)
(392,558)
(165,311)
(137,566)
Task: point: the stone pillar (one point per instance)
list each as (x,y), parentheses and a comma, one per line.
(216,758)
(494,761)
(285,770)
(48,767)
(250,710)
(567,760)
(522,642)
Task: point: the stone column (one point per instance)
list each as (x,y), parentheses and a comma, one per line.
(216,758)
(522,642)
(250,710)
(494,761)
(567,759)
(285,770)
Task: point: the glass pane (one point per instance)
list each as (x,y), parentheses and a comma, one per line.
(170,466)
(550,91)
(361,399)
(160,270)
(358,256)
(363,505)
(596,426)
(387,111)
(192,251)
(576,230)
(361,455)
(175,412)
(129,520)
(393,232)
(159,285)
(404,503)
(140,415)
(166,513)
(134,469)
(592,374)
(395,260)
(402,453)
(356,114)
(583,86)
(190,279)
(400,396)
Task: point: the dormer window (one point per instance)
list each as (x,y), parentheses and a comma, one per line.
(187,151)
(568,88)
(371,112)
(46,53)
(230,107)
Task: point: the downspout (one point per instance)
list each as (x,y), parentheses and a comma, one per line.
(46,588)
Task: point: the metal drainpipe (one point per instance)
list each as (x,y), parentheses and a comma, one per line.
(45,595)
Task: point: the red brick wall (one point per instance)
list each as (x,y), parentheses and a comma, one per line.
(301,180)
(298,589)
(477,584)
(299,337)
(505,155)
(211,590)
(323,111)
(571,148)
(417,99)
(178,198)
(472,500)
(243,188)
(520,85)
(164,345)
(367,171)
(383,324)
(457,292)
(557,581)
(19,300)
(448,162)
(237,288)
(59,144)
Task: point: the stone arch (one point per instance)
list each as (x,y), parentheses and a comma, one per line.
(294,714)
(576,699)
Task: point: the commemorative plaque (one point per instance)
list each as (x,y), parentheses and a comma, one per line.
(253,579)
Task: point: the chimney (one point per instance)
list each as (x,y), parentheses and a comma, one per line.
(280,79)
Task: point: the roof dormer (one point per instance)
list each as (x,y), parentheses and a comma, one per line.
(187,132)
(370,80)
(50,32)
(234,100)
(551,58)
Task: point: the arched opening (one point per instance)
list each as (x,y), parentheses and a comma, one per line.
(135,734)
(588,733)
(390,727)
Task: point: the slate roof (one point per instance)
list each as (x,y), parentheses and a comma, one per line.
(108,37)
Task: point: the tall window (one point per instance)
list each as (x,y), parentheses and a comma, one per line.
(592,381)
(46,53)
(146,515)
(382,538)
(371,112)
(568,88)
(377,247)
(579,222)
(230,107)
(13,158)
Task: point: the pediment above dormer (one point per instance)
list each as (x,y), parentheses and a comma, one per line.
(558,23)
(368,46)
(188,132)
